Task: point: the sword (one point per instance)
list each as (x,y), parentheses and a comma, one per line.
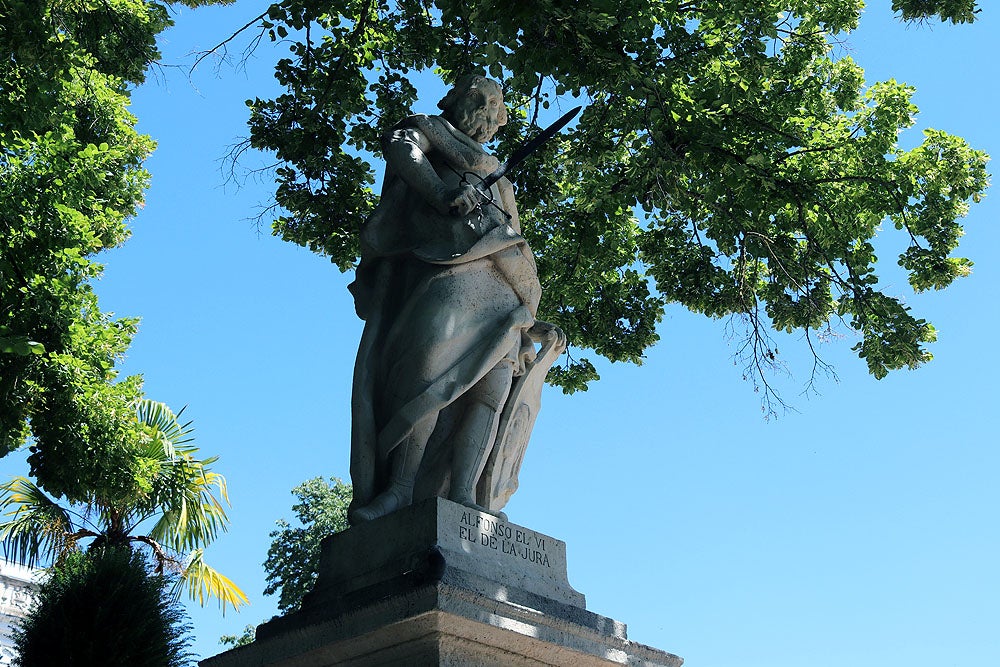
(484,184)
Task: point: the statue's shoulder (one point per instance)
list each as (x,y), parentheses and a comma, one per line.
(426,131)
(438,134)
(424,124)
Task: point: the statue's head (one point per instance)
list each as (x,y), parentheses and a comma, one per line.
(475,106)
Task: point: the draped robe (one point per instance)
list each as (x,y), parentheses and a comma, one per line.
(445,299)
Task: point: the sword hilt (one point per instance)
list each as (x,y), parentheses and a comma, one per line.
(483,187)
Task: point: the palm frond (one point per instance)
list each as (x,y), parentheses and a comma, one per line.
(166,431)
(35,528)
(202,582)
(193,505)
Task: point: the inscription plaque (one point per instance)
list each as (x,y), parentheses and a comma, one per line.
(492,533)
(487,546)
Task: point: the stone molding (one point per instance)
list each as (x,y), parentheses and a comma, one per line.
(427,586)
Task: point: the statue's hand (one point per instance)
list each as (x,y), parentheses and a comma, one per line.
(489,163)
(546,332)
(462,200)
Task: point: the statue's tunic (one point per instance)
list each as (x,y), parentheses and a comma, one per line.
(445,299)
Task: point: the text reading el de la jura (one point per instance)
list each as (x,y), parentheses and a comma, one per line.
(494,534)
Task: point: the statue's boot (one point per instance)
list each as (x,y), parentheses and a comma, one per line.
(405,463)
(472,445)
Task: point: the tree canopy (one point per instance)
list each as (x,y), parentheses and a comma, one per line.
(728,158)
(292,563)
(71,175)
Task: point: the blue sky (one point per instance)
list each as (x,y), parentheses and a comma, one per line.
(860,530)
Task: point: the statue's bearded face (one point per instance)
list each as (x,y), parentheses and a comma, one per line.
(480,113)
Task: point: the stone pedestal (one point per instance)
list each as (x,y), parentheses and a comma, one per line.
(440,584)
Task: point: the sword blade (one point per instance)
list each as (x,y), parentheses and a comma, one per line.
(528,148)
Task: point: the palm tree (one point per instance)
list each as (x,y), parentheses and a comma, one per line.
(174,509)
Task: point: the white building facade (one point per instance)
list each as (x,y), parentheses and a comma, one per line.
(17,590)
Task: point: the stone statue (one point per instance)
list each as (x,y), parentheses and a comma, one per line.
(447,379)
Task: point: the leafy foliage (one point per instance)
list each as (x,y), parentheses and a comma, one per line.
(104,609)
(248,636)
(956,11)
(71,174)
(292,561)
(726,160)
(175,510)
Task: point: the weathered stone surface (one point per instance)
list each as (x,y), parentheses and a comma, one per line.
(440,584)
(447,382)
(439,624)
(438,533)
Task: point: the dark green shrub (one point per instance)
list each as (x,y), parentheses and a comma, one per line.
(104,608)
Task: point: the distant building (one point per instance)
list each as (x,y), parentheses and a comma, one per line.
(17,590)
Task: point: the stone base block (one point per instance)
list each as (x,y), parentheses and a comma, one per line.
(440,584)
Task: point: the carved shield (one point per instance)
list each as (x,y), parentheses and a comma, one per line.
(499,479)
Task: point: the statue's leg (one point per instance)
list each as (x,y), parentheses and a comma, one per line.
(405,462)
(477,432)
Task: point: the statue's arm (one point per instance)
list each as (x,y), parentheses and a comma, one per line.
(406,152)
(508,204)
